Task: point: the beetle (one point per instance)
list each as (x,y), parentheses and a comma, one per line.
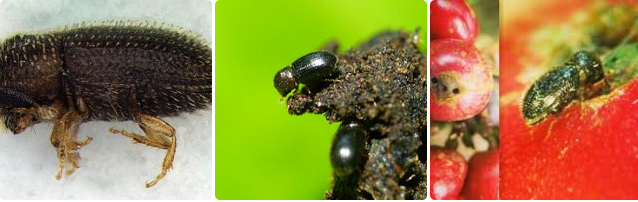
(308,69)
(114,71)
(557,88)
(348,150)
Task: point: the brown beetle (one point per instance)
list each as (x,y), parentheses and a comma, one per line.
(113,71)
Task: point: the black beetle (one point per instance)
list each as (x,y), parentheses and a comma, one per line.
(348,148)
(306,70)
(557,88)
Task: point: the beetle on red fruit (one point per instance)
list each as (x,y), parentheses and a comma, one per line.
(588,150)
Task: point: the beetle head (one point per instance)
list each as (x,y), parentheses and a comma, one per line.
(18,119)
(18,110)
(590,65)
(285,81)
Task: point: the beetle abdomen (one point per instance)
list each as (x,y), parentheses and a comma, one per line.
(314,66)
(308,69)
(551,93)
(168,71)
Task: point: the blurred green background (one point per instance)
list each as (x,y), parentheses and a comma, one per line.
(262,152)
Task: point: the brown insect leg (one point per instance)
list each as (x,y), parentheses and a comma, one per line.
(156,130)
(162,143)
(157,133)
(63,138)
(58,140)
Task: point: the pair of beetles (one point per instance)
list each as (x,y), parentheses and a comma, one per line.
(348,147)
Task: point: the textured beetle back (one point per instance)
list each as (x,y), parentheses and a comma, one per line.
(552,92)
(168,70)
(145,35)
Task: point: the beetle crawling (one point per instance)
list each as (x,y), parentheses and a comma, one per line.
(560,86)
(306,70)
(115,71)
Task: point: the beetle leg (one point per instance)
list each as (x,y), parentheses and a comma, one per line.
(160,142)
(75,145)
(58,140)
(64,139)
(599,88)
(156,132)
(154,126)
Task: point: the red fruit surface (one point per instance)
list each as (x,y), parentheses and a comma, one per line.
(482,176)
(456,65)
(587,151)
(448,171)
(453,19)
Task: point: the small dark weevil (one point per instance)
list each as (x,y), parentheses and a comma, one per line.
(348,150)
(115,71)
(557,88)
(306,70)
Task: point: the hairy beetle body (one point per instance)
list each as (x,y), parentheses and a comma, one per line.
(557,88)
(551,93)
(168,73)
(114,71)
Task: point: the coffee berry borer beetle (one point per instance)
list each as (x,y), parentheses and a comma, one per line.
(557,88)
(306,70)
(109,71)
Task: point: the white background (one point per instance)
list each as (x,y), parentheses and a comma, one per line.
(111,166)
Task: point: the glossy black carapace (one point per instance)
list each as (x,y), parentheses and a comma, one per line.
(307,70)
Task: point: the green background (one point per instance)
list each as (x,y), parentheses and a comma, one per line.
(262,152)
